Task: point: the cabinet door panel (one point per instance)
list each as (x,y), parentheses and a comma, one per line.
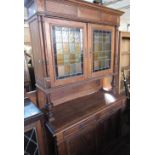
(84,143)
(66,46)
(108,130)
(101,49)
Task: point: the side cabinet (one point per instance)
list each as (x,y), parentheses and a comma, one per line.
(34,137)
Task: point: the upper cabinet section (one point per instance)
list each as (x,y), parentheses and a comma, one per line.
(75,41)
(77,51)
(67,50)
(76,10)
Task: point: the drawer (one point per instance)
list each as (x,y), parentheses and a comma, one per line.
(79,126)
(109,111)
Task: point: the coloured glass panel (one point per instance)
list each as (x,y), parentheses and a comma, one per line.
(68,51)
(101,50)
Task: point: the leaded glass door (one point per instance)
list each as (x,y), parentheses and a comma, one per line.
(101,49)
(66,45)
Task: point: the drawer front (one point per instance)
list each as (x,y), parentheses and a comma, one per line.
(109,111)
(75,129)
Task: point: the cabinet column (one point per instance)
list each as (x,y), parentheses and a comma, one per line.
(115,82)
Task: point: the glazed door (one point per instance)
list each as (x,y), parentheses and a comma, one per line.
(66,48)
(101,49)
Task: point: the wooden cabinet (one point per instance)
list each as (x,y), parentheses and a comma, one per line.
(75,46)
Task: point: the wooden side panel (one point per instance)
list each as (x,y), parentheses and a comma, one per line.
(124,58)
(63,94)
(37,52)
(115,82)
(41,99)
(32,95)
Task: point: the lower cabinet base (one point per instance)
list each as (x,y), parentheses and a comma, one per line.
(94,139)
(87,133)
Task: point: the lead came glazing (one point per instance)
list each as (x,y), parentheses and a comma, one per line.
(68,51)
(101,50)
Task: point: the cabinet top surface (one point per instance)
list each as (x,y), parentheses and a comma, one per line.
(31,112)
(74,111)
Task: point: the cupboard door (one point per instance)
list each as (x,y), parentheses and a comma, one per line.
(83,142)
(101,49)
(108,131)
(66,47)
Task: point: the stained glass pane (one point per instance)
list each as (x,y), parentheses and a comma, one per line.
(101,50)
(68,51)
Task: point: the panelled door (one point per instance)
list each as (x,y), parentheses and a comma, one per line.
(66,43)
(100,49)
